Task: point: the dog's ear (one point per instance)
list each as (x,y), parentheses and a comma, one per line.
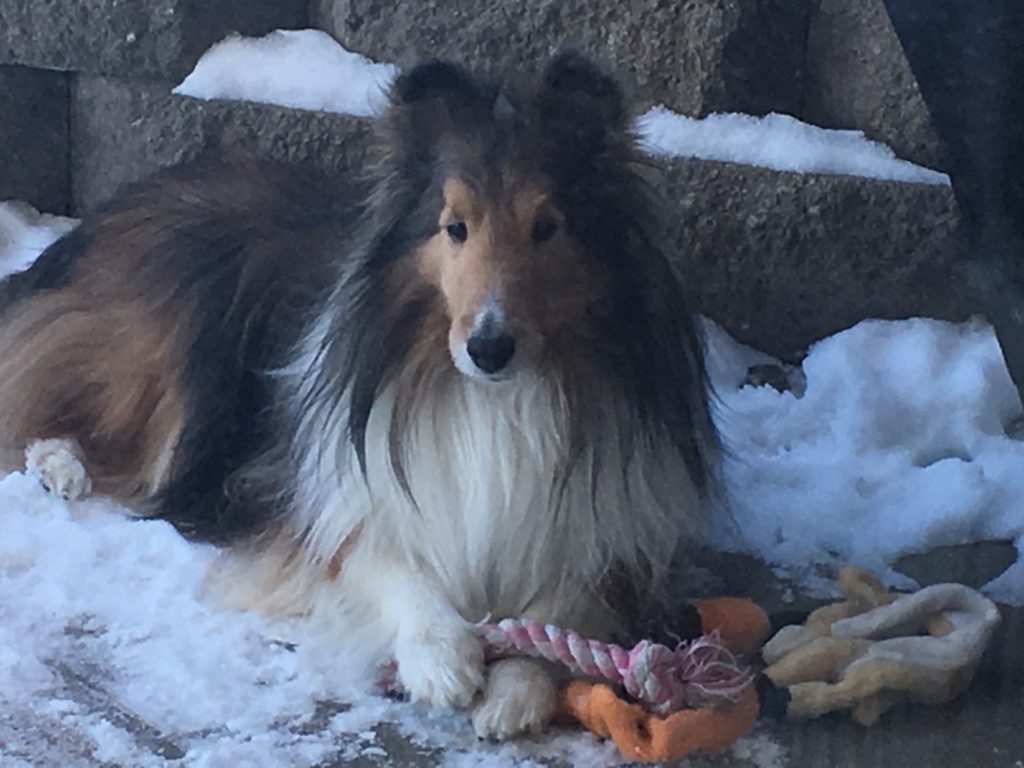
(576,94)
(427,101)
(433,81)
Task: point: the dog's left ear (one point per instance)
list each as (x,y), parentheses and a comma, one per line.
(577,95)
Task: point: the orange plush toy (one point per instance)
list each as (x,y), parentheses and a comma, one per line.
(640,734)
(694,697)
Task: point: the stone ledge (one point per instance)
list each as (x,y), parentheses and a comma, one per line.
(156,39)
(785,259)
(696,57)
(34,137)
(780,259)
(123,132)
(858,76)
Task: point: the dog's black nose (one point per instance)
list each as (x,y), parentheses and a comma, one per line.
(490,352)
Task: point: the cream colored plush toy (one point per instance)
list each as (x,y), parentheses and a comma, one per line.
(877,648)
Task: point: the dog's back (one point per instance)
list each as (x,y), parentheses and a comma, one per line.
(147,330)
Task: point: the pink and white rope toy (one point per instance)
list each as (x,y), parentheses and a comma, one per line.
(696,673)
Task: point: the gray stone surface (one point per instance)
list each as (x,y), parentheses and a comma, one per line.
(784,259)
(858,76)
(697,57)
(972,564)
(123,131)
(155,38)
(34,137)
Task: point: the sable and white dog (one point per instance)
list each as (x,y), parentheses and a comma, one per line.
(467,384)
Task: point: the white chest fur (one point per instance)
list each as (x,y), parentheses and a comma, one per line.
(493,524)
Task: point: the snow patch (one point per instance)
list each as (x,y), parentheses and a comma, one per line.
(776,141)
(896,446)
(278,69)
(304,69)
(25,233)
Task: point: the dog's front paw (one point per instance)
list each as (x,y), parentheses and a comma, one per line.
(519,698)
(442,666)
(58,467)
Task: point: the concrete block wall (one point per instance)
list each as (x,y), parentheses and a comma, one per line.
(780,259)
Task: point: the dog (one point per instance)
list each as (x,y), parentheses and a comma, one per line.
(464,382)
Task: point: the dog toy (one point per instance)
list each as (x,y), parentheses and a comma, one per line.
(735,626)
(876,649)
(696,696)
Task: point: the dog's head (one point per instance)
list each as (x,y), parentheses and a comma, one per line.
(510,231)
(502,198)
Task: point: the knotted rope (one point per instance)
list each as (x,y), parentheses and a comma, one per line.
(696,673)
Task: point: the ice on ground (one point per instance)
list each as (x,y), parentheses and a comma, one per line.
(308,69)
(776,141)
(897,445)
(304,69)
(25,233)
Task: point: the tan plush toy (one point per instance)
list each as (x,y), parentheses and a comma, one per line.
(876,648)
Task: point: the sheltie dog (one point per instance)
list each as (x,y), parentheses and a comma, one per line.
(464,384)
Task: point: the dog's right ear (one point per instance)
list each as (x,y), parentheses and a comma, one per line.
(434,81)
(426,101)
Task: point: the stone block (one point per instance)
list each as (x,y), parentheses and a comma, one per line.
(858,76)
(34,137)
(156,38)
(123,131)
(784,259)
(696,57)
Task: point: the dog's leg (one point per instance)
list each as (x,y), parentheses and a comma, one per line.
(58,464)
(440,660)
(519,698)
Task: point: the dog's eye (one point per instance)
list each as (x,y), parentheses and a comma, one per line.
(543,230)
(457,231)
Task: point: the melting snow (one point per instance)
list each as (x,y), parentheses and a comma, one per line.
(304,69)
(24,233)
(277,69)
(776,141)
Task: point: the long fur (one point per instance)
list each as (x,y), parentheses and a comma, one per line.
(312,413)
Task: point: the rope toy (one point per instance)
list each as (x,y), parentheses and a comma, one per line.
(696,696)
(696,673)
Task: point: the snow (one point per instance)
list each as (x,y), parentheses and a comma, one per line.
(776,141)
(277,68)
(304,69)
(896,445)
(109,653)
(24,233)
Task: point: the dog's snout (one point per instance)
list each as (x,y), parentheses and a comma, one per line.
(490,351)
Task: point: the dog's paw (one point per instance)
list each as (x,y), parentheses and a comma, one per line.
(519,698)
(56,464)
(442,666)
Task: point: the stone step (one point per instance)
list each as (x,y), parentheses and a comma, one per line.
(34,137)
(834,63)
(780,259)
(154,39)
(858,76)
(784,259)
(123,131)
(696,57)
